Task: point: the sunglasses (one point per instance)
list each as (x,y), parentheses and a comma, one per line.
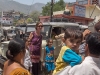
(40,26)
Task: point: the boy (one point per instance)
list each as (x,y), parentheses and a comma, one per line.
(68,54)
(91,64)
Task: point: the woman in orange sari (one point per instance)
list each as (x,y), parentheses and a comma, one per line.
(15,55)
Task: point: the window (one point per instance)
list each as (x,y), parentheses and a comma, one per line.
(82,2)
(85,2)
(30,29)
(45,31)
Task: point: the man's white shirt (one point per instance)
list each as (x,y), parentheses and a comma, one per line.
(90,66)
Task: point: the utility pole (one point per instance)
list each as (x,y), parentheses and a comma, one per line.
(1,18)
(51,16)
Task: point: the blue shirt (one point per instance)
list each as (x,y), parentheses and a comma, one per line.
(71,57)
(49,53)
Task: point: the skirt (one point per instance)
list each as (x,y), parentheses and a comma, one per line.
(49,66)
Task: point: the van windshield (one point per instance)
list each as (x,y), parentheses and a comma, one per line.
(45,31)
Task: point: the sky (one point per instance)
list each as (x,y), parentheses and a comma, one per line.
(29,2)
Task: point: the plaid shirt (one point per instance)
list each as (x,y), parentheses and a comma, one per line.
(82,48)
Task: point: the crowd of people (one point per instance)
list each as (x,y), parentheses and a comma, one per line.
(79,54)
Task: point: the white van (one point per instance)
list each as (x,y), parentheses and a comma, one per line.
(47,33)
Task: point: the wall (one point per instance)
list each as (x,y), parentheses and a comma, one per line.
(90,9)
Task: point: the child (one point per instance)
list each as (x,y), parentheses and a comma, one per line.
(91,64)
(49,59)
(69,53)
(82,46)
(27,60)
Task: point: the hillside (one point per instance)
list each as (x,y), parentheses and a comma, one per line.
(13,5)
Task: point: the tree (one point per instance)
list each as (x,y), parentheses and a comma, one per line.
(46,9)
(35,16)
(62,4)
(15,22)
(29,20)
(58,6)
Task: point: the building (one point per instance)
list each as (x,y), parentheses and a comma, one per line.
(66,18)
(6,20)
(92,11)
(75,13)
(88,2)
(92,8)
(7,17)
(16,15)
(89,9)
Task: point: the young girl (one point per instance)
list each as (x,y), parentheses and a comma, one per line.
(49,59)
(69,53)
(27,59)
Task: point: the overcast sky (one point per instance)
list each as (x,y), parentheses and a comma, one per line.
(29,2)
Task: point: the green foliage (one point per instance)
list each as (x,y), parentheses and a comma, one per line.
(29,20)
(35,15)
(46,9)
(57,6)
(61,3)
(15,22)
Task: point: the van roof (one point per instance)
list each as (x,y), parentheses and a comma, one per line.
(57,24)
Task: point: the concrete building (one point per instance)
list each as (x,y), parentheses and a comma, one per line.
(7,17)
(6,20)
(16,15)
(89,9)
(92,7)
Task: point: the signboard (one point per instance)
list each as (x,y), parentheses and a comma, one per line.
(79,10)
